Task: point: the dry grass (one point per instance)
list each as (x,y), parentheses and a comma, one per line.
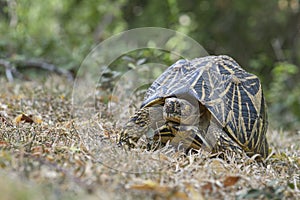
(52,155)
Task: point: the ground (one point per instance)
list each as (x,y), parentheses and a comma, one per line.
(47,152)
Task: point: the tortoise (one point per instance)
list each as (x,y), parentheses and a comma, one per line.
(209,102)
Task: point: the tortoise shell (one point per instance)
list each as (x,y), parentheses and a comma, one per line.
(233,96)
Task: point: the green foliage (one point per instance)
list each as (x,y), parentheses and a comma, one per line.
(59,31)
(284,96)
(149,63)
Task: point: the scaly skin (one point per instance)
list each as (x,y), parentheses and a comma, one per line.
(139,124)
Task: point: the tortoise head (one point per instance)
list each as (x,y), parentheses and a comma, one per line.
(181,111)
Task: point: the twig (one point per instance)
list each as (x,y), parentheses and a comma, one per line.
(11,68)
(46,66)
(277,47)
(106,20)
(8,69)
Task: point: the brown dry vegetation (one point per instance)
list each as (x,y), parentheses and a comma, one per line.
(46,153)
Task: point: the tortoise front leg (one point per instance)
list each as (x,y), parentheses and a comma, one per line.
(139,124)
(190,137)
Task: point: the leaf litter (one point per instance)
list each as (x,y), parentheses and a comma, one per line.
(65,157)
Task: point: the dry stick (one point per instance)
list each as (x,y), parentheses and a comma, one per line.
(8,69)
(46,66)
(277,47)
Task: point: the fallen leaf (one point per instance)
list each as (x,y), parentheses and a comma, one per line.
(230,180)
(159,189)
(50,158)
(109,98)
(37,150)
(4,144)
(37,119)
(208,187)
(107,133)
(147,185)
(114,98)
(28,119)
(23,118)
(194,193)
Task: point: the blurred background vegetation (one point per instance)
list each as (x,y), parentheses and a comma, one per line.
(263,36)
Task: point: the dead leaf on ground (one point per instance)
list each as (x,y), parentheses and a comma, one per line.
(28,119)
(207,187)
(155,187)
(37,150)
(230,181)
(227,182)
(23,118)
(37,119)
(4,144)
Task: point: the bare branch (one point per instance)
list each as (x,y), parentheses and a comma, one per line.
(277,47)
(45,66)
(11,68)
(8,69)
